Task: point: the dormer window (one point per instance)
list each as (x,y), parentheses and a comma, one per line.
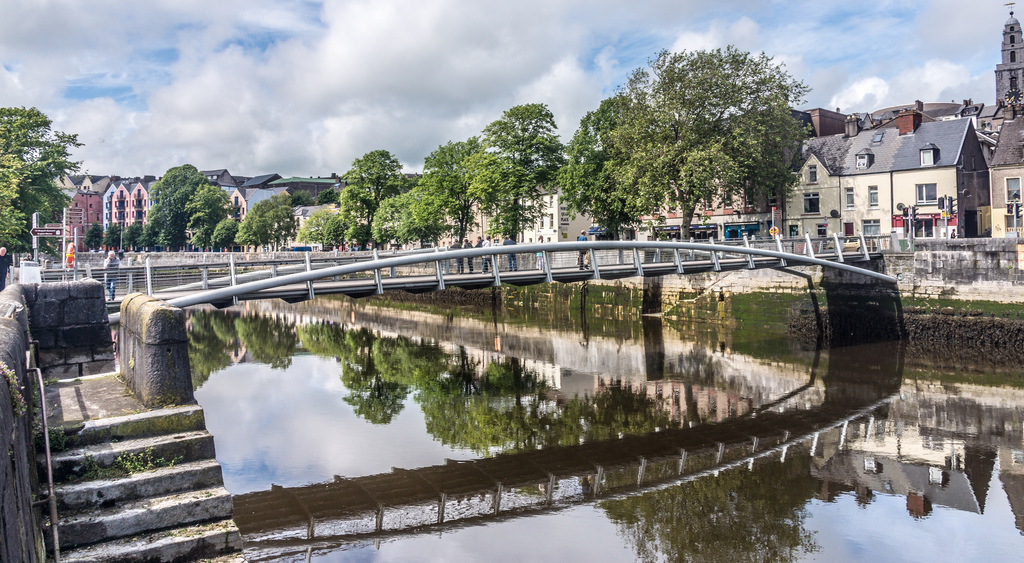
(929,155)
(865,158)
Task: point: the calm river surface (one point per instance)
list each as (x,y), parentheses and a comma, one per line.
(349,431)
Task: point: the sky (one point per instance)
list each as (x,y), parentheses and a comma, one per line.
(304,87)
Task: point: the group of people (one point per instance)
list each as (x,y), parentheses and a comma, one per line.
(513,262)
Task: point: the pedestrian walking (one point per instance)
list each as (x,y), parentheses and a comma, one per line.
(487,259)
(6,262)
(460,263)
(583,253)
(479,243)
(110,278)
(512,263)
(540,255)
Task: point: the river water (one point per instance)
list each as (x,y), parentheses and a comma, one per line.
(350,431)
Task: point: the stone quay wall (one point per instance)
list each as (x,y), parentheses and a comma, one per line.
(154,352)
(69,319)
(20,539)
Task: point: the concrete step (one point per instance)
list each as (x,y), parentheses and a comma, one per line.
(106,493)
(144,516)
(188,446)
(190,543)
(172,420)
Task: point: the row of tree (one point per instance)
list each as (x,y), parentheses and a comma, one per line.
(692,131)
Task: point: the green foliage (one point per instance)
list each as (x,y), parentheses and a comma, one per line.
(125,464)
(94,235)
(301,198)
(112,238)
(18,405)
(587,180)
(207,207)
(270,341)
(374,178)
(446,194)
(327,197)
(326,227)
(271,221)
(32,158)
(150,233)
(172,195)
(408,217)
(518,167)
(133,235)
(59,439)
(225,233)
(700,128)
(212,339)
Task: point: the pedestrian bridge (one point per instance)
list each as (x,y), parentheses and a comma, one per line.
(474,268)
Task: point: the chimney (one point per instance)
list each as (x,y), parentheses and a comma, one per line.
(919,105)
(852,125)
(908,121)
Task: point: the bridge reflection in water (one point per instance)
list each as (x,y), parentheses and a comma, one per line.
(289,522)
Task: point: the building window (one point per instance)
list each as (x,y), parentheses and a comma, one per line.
(926,193)
(871,227)
(794,231)
(927,157)
(873,197)
(811,203)
(1013,189)
(862,161)
(1013,39)
(1013,56)
(812,174)
(822,230)
(878,137)
(849,198)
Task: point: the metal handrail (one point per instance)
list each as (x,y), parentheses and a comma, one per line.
(51,498)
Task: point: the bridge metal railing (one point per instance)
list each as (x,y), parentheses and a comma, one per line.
(496,261)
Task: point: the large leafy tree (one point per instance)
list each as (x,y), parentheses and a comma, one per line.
(94,235)
(112,238)
(207,208)
(225,233)
(408,217)
(301,198)
(133,235)
(150,233)
(588,182)
(271,221)
(446,188)
(171,196)
(326,227)
(374,177)
(32,158)
(518,167)
(699,128)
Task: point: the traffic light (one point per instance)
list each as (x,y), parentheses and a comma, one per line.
(942,204)
(906,212)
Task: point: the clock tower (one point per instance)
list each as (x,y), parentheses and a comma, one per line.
(1010,72)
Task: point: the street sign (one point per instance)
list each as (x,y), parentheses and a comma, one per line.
(54,226)
(774,231)
(45,232)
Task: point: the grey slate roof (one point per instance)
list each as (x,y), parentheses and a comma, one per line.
(260,180)
(254,196)
(831,151)
(1009,150)
(948,136)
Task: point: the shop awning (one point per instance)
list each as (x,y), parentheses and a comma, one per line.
(667,228)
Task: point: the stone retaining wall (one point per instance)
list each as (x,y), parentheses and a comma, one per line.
(69,319)
(154,352)
(19,535)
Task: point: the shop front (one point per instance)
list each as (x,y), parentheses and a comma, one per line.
(734,231)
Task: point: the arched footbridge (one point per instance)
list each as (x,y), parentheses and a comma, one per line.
(474,268)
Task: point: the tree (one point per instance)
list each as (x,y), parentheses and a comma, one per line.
(327,197)
(112,238)
(302,198)
(269,221)
(588,181)
(518,167)
(225,233)
(446,186)
(32,158)
(150,234)
(374,177)
(207,207)
(94,235)
(133,235)
(702,127)
(325,227)
(172,195)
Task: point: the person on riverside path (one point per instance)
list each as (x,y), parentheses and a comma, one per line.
(583,253)
(512,263)
(460,263)
(540,254)
(468,244)
(5,266)
(110,278)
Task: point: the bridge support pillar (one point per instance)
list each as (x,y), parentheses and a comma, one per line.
(154,352)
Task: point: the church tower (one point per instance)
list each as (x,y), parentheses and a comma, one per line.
(1010,72)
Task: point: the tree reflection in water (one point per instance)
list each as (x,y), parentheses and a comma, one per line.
(739,515)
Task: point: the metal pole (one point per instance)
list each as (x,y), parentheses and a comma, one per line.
(64,238)
(149,277)
(74,276)
(35,240)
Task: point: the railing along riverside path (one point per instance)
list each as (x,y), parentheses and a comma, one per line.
(436,269)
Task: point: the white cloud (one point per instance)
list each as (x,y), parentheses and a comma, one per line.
(868,92)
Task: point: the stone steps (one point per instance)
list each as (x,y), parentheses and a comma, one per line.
(179,512)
